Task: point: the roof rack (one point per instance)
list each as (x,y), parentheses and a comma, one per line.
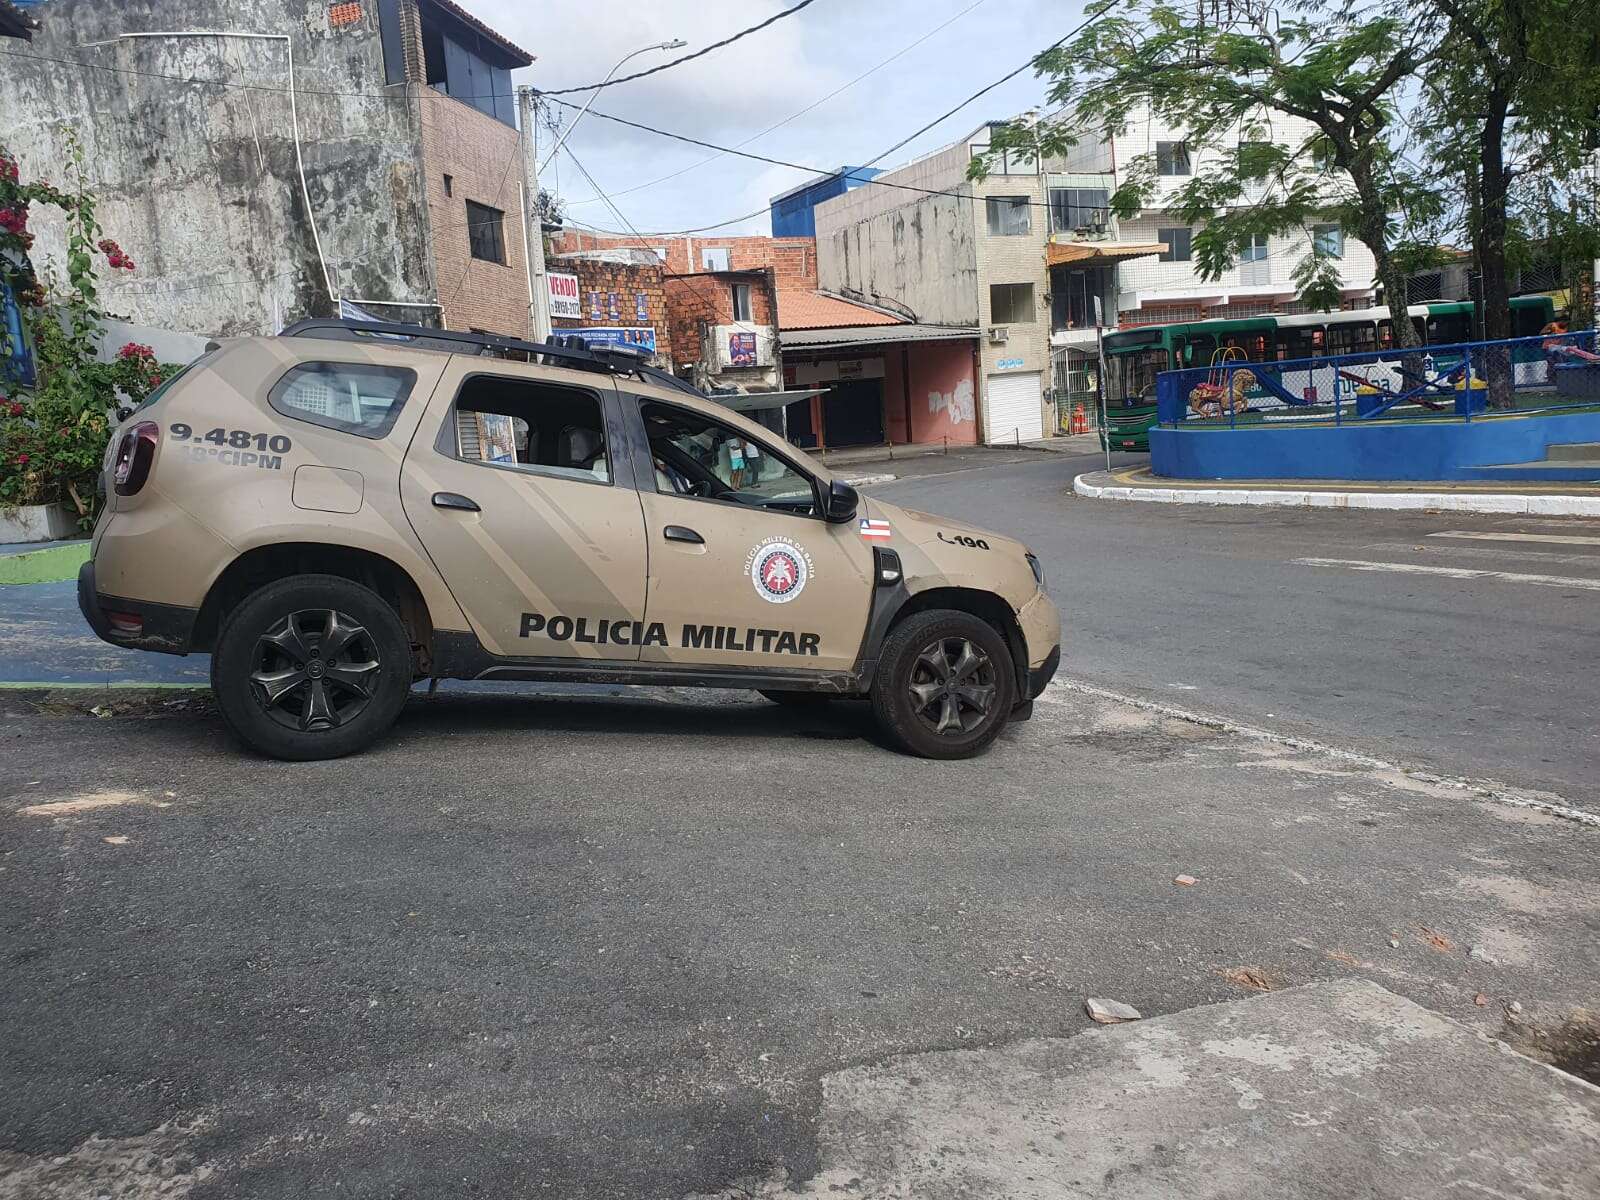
(569,351)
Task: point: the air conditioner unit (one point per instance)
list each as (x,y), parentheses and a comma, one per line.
(999,333)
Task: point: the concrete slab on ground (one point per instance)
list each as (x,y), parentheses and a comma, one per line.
(1334,1089)
(1535,499)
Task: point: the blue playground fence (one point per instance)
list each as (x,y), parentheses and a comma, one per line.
(1532,374)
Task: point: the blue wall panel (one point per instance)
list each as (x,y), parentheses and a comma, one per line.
(1369,452)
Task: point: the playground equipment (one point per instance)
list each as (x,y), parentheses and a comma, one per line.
(1476,410)
(1223,389)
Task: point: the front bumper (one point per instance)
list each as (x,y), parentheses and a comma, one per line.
(1039,677)
(137,624)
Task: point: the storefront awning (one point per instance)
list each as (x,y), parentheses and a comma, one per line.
(1098,254)
(756,401)
(869,335)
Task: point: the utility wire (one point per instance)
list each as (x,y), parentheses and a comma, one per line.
(900,53)
(667,66)
(696,276)
(779,162)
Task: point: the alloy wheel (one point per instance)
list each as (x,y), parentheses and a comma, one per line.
(316,669)
(952,686)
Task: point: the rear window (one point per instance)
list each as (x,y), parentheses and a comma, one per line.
(357,398)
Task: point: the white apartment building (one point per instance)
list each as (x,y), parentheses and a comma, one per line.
(1033,257)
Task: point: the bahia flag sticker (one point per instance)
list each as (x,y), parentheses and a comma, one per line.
(874,529)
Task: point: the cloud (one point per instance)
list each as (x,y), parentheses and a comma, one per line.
(738,91)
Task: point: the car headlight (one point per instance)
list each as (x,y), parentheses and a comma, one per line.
(1038,568)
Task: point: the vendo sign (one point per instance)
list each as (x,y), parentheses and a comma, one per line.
(564,301)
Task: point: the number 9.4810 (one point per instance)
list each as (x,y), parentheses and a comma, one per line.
(238,439)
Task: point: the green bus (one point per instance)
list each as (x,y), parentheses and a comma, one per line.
(1134,357)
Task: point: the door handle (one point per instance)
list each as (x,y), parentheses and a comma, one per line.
(455,500)
(682,533)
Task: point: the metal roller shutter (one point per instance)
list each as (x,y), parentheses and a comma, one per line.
(1012,408)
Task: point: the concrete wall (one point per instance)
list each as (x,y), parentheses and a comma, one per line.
(198,183)
(943,393)
(1368,450)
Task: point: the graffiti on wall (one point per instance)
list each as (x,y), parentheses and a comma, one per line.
(957,403)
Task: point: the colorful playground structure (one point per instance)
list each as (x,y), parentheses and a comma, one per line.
(1525,408)
(1135,357)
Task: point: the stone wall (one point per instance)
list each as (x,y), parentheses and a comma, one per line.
(198,182)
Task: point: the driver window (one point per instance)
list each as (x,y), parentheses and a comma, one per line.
(547,430)
(696,456)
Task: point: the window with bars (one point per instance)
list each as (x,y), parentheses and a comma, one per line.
(1329,240)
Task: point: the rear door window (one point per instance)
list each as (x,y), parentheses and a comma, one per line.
(359,398)
(542,428)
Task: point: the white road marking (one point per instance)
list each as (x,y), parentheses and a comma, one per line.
(1559,539)
(1356,564)
(1480,789)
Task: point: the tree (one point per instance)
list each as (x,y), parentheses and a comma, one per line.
(1513,98)
(1224,72)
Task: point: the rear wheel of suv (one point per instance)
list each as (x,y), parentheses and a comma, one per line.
(313,666)
(945,684)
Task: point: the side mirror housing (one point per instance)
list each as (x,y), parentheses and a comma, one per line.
(841,503)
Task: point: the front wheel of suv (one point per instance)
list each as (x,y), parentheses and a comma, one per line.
(945,684)
(310,667)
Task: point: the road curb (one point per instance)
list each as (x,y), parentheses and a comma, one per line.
(867,480)
(1478,502)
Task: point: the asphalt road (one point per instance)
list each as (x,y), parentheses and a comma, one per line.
(1209,608)
(588,947)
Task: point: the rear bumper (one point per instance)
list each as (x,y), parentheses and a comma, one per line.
(139,624)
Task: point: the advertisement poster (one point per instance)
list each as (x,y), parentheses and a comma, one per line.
(594,306)
(643,337)
(641,308)
(614,305)
(564,300)
(742,349)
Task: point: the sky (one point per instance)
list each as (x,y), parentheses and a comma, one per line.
(741,90)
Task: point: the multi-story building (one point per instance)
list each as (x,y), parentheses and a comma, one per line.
(1033,256)
(794,211)
(276,159)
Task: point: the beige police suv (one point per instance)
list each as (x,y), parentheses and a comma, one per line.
(348,508)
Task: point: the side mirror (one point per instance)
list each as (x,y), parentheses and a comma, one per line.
(841,503)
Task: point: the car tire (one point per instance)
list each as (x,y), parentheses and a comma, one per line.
(282,695)
(801,700)
(951,711)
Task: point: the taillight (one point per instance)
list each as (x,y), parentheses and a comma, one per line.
(135,453)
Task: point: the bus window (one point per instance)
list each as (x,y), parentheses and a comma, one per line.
(1385,334)
(1527,320)
(1301,341)
(1198,349)
(1351,337)
(1446,329)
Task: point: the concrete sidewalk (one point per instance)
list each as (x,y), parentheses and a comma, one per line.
(1334,1089)
(1546,500)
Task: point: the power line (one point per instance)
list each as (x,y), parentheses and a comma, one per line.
(779,162)
(638,237)
(667,66)
(900,53)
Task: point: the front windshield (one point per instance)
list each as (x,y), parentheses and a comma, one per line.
(1131,377)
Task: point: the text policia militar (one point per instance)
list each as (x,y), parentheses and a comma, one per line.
(603,631)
